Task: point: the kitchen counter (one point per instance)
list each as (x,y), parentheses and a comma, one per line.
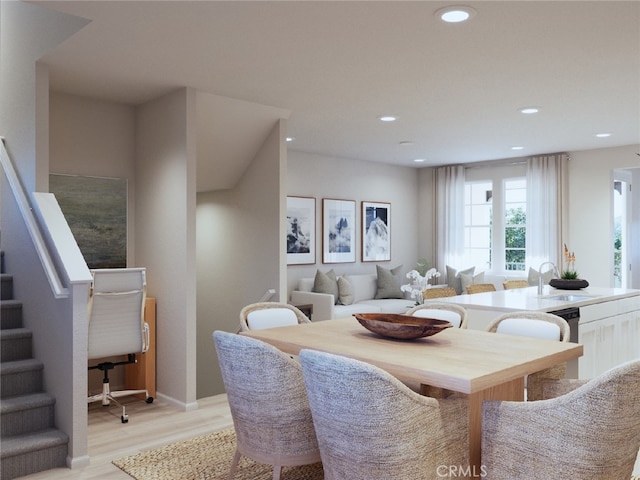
(552,299)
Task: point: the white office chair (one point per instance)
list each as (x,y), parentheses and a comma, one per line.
(117,326)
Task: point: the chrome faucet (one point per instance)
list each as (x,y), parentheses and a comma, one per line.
(556,273)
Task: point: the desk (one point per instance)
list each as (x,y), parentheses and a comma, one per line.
(480,364)
(142,374)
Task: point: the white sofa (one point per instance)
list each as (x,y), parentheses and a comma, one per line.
(364,288)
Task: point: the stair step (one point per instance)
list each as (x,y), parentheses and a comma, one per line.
(10,314)
(26,413)
(35,452)
(6,286)
(15,344)
(20,377)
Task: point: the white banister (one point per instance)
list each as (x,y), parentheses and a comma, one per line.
(61,236)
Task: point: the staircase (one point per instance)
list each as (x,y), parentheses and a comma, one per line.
(30,442)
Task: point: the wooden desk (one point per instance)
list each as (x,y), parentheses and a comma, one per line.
(480,364)
(142,374)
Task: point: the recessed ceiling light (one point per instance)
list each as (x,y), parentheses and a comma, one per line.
(388,118)
(529,110)
(290,139)
(603,135)
(406,143)
(517,148)
(455,14)
(420,160)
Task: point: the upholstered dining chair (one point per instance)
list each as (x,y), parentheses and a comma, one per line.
(270,314)
(268,403)
(455,314)
(511,284)
(370,425)
(590,433)
(480,288)
(438,292)
(538,325)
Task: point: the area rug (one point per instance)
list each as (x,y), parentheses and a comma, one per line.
(207,457)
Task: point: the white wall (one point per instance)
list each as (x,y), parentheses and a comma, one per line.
(318,176)
(590,210)
(95,138)
(27,32)
(165,236)
(240,250)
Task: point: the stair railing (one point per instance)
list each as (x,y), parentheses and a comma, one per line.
(31,223)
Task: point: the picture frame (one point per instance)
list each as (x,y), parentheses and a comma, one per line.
(301,230)
(376,231)
(338,231)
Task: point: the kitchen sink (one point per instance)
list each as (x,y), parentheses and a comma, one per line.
(569,297)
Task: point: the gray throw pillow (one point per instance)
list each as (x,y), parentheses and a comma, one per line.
(454,280)
(534,276)
(346,290)
(389,282)
(326,283)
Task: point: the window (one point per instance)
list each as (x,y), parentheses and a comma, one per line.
(515,223)
(478,211)
(495,223)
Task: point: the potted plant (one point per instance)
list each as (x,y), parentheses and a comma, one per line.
(569,278)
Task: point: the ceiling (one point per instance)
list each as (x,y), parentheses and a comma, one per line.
(333,67)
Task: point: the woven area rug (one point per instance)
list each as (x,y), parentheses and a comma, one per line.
(207,457)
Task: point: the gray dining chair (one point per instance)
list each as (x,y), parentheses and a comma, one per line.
(268,403)
(590,433)
(370,425)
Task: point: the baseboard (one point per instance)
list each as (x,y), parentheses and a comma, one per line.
(186,407)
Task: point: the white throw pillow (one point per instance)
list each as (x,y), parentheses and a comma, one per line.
(466,279)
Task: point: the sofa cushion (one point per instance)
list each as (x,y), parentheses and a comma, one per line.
(345,290)
(326,283)
(364,286)
(387,305)
(453,278)
(388,282)
(466,279)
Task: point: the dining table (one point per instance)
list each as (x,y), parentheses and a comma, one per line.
(481,365)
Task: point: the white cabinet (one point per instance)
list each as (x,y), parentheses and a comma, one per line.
(610,334)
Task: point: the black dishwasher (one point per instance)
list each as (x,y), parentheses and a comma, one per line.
(572,316)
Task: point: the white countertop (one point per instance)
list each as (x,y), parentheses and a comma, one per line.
(528,299)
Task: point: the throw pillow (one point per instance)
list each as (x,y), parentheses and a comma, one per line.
(346,290)
(466,279)
(534,276)
(453,278)
(389,282)
(326,283)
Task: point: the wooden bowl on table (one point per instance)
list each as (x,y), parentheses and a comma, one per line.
(404,327)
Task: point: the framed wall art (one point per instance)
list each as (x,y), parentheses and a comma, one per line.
(301,230)
(338,231)
(376,231)
(96,210)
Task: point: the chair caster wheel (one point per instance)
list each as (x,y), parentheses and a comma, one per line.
(149,400)
(124,419)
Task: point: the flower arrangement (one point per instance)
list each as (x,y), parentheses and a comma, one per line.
(569,273)
(419,283)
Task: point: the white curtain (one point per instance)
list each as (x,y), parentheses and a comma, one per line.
(546,177)
(450,216)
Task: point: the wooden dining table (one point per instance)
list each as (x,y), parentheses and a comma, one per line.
(482,365)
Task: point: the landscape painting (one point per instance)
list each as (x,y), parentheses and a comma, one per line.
(96,211)
(301,230)
(376,232)
(338,231)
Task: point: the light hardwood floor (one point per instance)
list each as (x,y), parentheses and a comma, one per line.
(150,426)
